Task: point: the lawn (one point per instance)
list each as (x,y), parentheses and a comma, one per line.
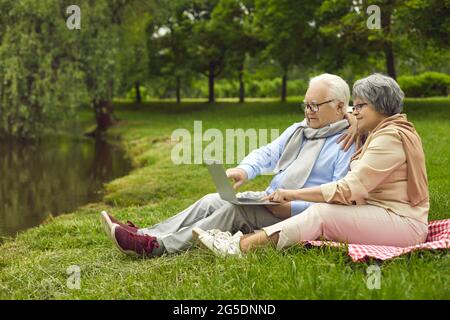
(34,264)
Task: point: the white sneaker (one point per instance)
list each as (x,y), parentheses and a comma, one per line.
(221,243)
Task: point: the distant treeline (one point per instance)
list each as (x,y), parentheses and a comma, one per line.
(428,84)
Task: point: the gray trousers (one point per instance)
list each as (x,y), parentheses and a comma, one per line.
(210,212)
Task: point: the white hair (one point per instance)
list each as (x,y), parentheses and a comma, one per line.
(338,88)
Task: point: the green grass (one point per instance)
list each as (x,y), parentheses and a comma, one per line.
(33,265)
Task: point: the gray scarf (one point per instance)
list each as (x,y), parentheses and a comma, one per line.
(297,159)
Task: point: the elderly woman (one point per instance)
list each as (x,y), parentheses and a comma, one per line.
(383,200)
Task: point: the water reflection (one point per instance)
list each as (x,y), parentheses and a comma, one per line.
(52,177)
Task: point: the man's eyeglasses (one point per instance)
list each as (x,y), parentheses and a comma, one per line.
(313,106)
(358,107)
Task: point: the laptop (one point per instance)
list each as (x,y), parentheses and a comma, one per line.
(225,189)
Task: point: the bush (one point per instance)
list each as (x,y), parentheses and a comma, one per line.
(427,84)
(297,87)
(224,88)
(131,94)
(267,88)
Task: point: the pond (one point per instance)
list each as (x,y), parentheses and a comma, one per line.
(53,177)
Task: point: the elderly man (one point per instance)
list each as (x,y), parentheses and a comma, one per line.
(383,200)
(306,154)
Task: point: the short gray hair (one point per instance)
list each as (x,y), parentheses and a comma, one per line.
(338,88)
(382,92)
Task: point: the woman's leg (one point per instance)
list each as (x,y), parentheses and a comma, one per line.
(257,240)
(363,224)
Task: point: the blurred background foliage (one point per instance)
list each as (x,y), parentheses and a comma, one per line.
(176,49)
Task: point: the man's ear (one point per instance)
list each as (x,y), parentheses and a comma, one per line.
(340,110)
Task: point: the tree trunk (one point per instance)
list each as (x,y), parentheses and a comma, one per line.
(178,89)
(1,92)
(386,22)
(284,86)
(211,75)
(241,85)
(103,110)
(390,62)
(137,86)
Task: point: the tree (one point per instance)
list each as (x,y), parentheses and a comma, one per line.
(99,49)
(404,25)
(427,20)
(233,19)
(208,47)
(133,62)
(39,87)
(168,33)
(289,31)
(48,70)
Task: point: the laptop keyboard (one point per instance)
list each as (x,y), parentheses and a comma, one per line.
(248,200)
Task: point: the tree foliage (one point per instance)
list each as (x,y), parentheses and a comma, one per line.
(47,71)
(38,84)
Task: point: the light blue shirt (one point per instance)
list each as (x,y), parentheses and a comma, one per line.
(332,164)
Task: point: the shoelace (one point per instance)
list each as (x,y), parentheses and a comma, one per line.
(219,234)
(225,241)
(131,224)
(150,242)
(223,235)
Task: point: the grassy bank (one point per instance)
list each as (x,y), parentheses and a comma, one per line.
(34,264)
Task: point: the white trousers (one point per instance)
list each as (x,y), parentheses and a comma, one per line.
(359,224)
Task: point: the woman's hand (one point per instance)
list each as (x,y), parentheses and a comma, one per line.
(281,195)
(349,137)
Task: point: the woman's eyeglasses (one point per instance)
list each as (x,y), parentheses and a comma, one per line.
(358,107)
(313,106)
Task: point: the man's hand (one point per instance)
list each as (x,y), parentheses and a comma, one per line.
(281,196)
(281,211)
(238,175)
(351,134)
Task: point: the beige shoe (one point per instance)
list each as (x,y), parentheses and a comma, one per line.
(221,243)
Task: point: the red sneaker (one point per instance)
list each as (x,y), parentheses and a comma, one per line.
(133,244)
(108,221)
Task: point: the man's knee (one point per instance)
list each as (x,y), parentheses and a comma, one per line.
(232,212)
(211,196)
(212,199)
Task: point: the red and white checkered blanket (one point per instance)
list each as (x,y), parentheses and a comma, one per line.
(438,238)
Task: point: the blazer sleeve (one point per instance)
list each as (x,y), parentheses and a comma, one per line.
(383,156)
